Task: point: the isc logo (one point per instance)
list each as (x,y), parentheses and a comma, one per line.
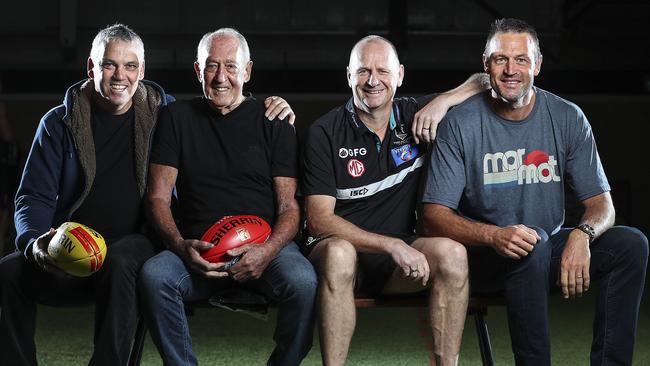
(358,192)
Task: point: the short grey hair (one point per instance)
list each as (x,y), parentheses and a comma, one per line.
(204,44)
(115,32)
(512,25)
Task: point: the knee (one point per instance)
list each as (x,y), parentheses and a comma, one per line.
(119,266)
(302,280)
(538,261)
(12,268)
(338,262)
(153,278)
(128,254)
(632,243)
(448,261)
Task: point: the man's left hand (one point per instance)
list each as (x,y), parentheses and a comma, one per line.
(255,258)
(574,265)
(278,107)
(425,122)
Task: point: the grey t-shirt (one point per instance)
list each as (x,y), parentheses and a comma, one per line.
(503,172)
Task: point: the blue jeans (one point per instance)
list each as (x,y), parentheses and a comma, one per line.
(289,281)
(619,259)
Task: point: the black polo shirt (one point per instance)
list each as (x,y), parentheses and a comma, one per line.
(226,163)
(375,183)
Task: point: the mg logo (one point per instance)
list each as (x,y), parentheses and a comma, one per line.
(355,168)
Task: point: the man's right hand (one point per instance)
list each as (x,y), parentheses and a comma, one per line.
(514,241)
(190,252)
(42,257)
(412,262)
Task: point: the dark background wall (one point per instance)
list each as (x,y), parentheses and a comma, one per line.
(596,53)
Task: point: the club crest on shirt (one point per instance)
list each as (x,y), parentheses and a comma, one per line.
(404,154)
(356,168)
(400,132)
(402,136)
(243,234)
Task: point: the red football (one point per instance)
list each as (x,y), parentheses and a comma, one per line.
(234,231)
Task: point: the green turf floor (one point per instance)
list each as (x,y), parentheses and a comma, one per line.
(383,337)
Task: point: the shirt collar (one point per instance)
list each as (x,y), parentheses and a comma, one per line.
(356,121)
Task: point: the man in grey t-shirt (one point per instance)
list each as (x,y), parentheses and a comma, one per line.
(496,184)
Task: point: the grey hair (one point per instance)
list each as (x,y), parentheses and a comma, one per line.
(511,25)
(204,44)
(115,32)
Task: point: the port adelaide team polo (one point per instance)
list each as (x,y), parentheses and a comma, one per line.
(375,183)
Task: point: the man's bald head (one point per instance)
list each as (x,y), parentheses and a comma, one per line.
(372,38)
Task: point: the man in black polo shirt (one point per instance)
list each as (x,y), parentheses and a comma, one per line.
(362,167)
(225,158)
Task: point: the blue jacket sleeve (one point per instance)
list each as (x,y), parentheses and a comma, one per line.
(36,198)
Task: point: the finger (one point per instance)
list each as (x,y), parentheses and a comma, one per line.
(406,270)
(201,245)
(571,286)
(426,135)
(240,276)
(586,278)
(524,245)
(272,106)
(273,111)
(426,274)
(49,235)
(240,250)
(221,266)
(509,254)
(579,283)
(426,130)
(285,112)
(416,128)
(201,264)
(269,100)
(517,250)
(292,118)
(432,134)
(43,241)
(40,261)
(534,236)
(215,274)
(44,261)
(564,282)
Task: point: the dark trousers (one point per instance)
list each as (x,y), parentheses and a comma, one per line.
(619,259)
(112,289)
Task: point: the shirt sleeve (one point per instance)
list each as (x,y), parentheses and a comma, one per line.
(285,150)
(166,143)
(425,99)
(318,172)
(37,195)
(446,176)
(584,171)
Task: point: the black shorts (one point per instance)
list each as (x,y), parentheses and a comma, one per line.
(373,269)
